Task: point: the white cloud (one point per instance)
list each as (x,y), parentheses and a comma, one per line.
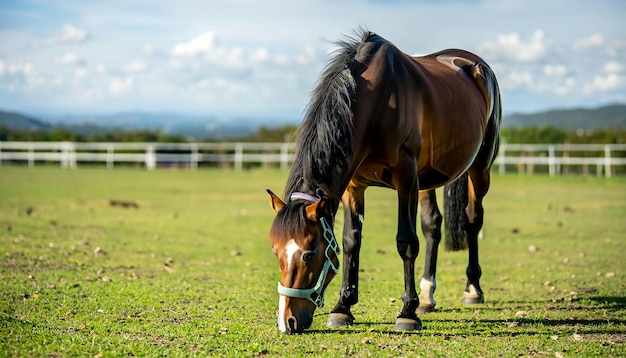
(516,80)
(591,41)
(25,68)
(230,58)
(307,56)
(19,76)
(71,34)
(512,47)
(564,88)
(69,59)
(603,83)
(617,47)
(260,55)
(80,73)
(135,66)
(148,49)
(282,60)
(555,70)
(203,43)
(203,48)
(613,67)
(120,85)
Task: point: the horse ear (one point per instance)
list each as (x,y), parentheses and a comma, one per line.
(275,201)
(317,209)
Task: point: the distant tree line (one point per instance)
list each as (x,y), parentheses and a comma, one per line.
(547,135)
(527,135)
(62,135)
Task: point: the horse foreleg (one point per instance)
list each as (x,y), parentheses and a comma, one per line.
(431,227)
(405,180)
(353,202)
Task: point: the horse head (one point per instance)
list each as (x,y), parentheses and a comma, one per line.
(307,251)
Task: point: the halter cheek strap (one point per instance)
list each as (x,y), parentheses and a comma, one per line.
(315,294)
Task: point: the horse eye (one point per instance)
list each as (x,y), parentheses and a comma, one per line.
(308,256)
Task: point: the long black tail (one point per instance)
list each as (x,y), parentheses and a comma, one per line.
(455,199)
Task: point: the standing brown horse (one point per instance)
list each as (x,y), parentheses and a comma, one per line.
(380,117)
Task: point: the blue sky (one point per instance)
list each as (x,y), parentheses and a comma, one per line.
(234,58)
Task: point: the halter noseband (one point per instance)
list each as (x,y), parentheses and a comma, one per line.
(315,294)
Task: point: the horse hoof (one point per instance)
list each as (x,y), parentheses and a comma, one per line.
(408,324)
(426,309)
(336,320)
(470,299)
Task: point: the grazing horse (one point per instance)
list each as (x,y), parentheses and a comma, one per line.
(379,117)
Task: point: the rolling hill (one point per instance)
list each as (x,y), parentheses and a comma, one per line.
(607,117)
(21,122)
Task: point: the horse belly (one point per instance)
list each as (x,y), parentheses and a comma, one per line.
(373,173)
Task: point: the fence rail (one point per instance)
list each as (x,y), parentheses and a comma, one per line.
(554,159)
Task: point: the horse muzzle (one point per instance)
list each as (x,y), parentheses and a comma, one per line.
(289,322)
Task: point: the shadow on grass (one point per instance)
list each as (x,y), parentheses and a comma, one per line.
(353,330)
(513,326)
(613,302)
(487,327)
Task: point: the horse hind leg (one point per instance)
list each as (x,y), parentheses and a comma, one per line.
(478,185)
(431,228)
(464,219)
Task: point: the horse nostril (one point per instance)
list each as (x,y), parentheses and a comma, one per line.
(292,323)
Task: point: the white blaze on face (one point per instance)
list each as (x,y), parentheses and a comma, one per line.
(290,250)
(282,322)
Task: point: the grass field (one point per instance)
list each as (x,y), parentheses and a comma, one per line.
(189,271)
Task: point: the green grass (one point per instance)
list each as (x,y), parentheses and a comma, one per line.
(190,271)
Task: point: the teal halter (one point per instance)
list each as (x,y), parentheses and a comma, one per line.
(315,294)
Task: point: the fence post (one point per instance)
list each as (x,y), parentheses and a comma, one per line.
(72,157)
(195,156)
(607,160)
(551,160)
(65,155)
(31,155)
(502,159)
(110,156)
(67,161)
(238,156)
(150,157)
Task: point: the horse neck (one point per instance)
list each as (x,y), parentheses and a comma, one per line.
(331,186)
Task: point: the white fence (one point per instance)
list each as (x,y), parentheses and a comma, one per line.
(554,159)
(563,158)
(149,155)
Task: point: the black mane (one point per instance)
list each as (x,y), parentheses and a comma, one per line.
(324,141)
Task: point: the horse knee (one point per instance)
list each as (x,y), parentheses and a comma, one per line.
(407,248)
